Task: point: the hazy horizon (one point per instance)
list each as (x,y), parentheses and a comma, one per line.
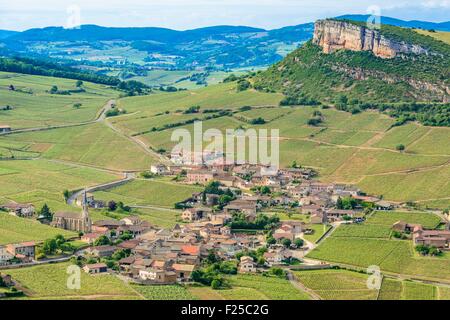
(184,15)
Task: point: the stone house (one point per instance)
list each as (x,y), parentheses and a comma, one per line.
(95,268)
(5,128)
(25,210)
(22,250)
(195,214)
(200,176)
(247,265)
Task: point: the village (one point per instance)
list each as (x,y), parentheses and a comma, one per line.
(233,222)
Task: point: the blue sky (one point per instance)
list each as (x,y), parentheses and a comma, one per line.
(188,14)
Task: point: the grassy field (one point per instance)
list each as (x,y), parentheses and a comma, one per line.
(149,192)
(251,287)
(15,230)
(387,219)
(93,144)
(41,181)
(358,149)
(363,246)
(167,292)
(440,35)
(160,218)
(175,78)
(337,284)
(319,231)
(404,290)
(267,287)
(363,231)
(33,106)
(50,282)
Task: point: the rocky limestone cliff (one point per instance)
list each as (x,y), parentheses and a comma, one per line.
(334,35)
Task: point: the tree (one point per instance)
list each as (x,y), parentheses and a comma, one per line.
(224,200)
(193,109)
(258,120)
(286,242)
(299,242)
(49,246)
(243,85)
(265,190)
(54,90)
(77,105)
(102,241)
(278,272)
(314,121)
(339,204)
(66,195)
(400,147)
(79,84)
(112,205)
(45,212)
(271,240)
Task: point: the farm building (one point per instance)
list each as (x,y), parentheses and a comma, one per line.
(5,129)
(247,265)
(95,268)
(19,210)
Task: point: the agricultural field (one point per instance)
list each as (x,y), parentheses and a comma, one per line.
(345,148)
(222,96)
(149,192)
(93,144)
(42,181)
(177,78)
(205,293)
(270,288)
(337,284)
(166,292)
(405,290)
(392,256)
(363,231)
(319,231)
(50,282)
(440,35)
(15,230)
(387,219)
(250,287)
(33,106)
(164,218)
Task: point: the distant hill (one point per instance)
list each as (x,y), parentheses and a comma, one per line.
(5,34)
(353,68)
(443,26)
(98,33)
(218,47)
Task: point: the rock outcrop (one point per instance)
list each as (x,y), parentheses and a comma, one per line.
(334,35)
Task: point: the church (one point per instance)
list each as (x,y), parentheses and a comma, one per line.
(79,222)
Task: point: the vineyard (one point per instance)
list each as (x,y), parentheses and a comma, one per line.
(337,284)
(363,231)
(164,292)
(271,288)
(427,220)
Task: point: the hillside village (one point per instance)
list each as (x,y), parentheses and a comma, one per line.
(371,189)
(227,222)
